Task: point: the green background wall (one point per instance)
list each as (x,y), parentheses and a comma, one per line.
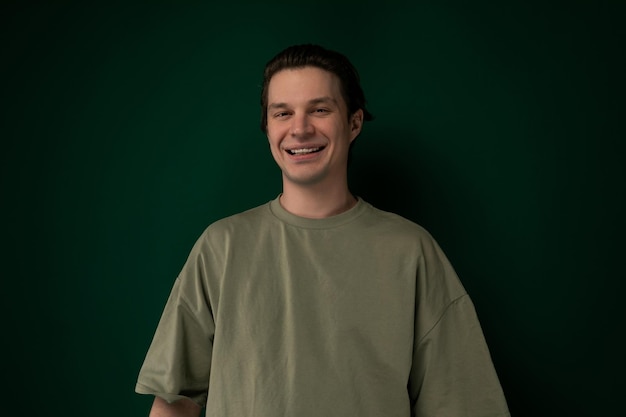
(126,130)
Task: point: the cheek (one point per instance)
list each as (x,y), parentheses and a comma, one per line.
(274,134)
(271,139)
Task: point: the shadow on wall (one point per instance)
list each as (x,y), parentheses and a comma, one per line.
(392,170)
(388,178)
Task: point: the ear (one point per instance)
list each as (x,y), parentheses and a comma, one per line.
(356,123)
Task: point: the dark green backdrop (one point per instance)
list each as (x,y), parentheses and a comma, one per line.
(127,130)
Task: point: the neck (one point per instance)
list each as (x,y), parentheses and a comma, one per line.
(316,201)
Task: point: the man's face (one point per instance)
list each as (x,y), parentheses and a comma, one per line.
(307,126)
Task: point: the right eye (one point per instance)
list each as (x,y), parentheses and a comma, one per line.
(281,114)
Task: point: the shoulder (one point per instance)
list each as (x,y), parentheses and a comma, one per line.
(404,235)
(225,231)
(246,218)
(388,223)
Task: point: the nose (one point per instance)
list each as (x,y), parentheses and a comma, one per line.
(301,126)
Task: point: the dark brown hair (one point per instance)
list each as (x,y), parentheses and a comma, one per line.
(309,55)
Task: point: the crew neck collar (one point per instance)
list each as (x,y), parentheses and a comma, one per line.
(325,223)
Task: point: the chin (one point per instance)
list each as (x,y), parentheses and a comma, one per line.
(306,180)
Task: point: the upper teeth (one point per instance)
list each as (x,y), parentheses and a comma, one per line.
(303,150)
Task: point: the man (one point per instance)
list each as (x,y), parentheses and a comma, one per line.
(317,303)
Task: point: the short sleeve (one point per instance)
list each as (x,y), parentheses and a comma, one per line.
(453,374)
(178,362)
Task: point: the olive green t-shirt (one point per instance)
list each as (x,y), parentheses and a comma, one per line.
(359,314)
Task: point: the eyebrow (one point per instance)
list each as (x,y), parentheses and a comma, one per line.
(319,100)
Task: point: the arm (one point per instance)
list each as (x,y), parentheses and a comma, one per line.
(180,408)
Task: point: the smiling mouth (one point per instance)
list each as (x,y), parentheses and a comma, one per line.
(304,151)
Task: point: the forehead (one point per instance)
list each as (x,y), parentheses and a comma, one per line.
(303,84)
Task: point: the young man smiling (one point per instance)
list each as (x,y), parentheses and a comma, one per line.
(317,303)
(310,132)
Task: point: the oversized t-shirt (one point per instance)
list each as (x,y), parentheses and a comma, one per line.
(359,314)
